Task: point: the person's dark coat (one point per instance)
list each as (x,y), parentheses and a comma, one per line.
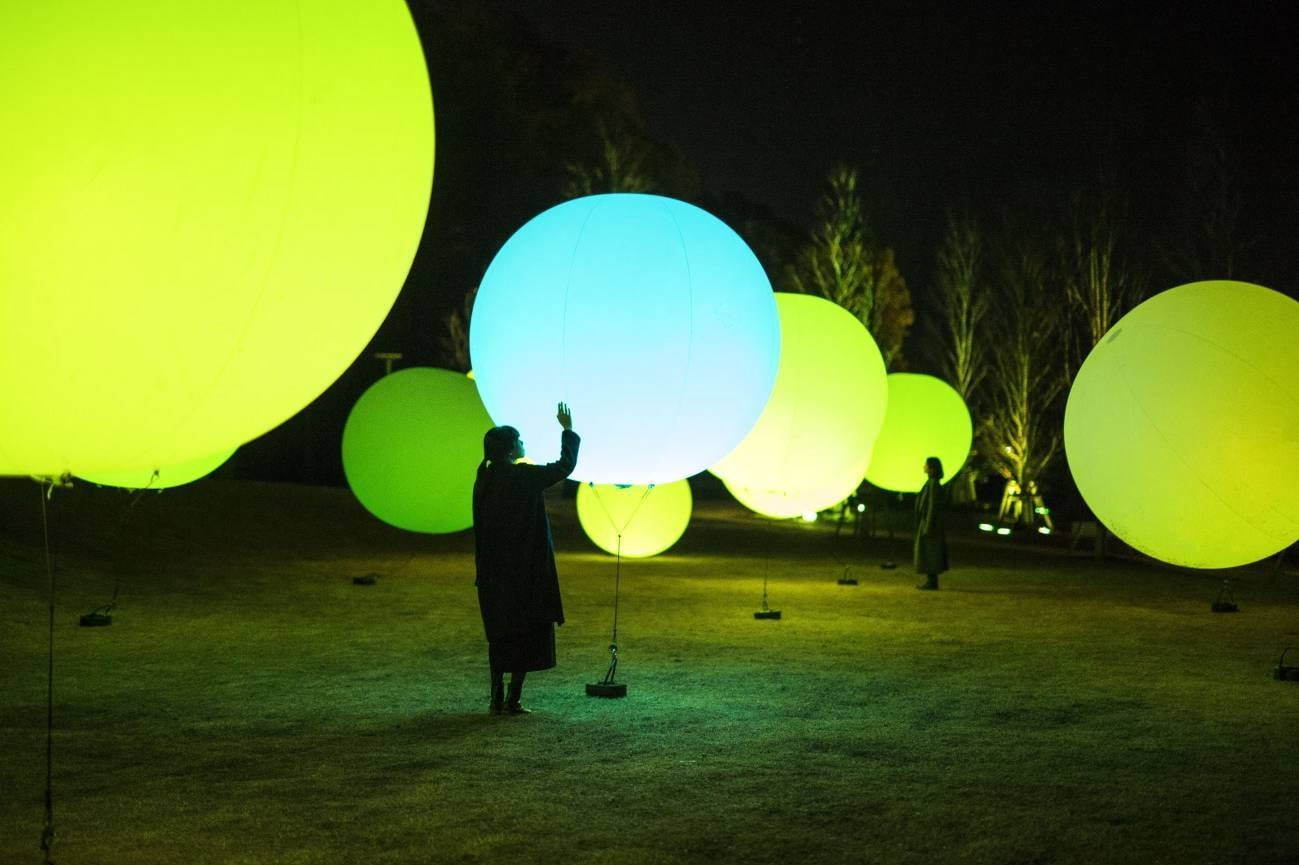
(931,540)
(518,585)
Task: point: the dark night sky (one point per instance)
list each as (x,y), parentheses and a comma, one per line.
(944,103)
(1004,111)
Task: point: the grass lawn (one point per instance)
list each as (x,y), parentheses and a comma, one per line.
(250,705)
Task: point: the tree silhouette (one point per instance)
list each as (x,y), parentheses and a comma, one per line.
(842,262)
(1023,432)
(963,292)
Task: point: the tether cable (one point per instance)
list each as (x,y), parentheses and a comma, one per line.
(47,833)
(617,572)
(611,674)
(766,570)
(117,531)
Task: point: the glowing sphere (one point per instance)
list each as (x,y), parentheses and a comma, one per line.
(1182,426)
(208,210)
(650,519)
(162,478)
(926,418)
(411,448)
(648,316)
(810,448)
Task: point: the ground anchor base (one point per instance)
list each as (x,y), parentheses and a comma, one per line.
(96,620)
(767,614)
(606,689)
(1284,672)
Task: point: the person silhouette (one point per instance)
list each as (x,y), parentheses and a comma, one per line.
(931,540)
(514,555)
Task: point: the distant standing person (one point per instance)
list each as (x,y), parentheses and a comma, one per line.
(931,541)
(518,585)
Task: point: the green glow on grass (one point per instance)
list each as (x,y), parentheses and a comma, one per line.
(926,417)
(1182,426)
(208,210)
(810,448)
(650,520)
(411,448)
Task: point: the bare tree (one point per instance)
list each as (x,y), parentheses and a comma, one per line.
(843,263)
(1211,241)
(961,288)
(619,167)
(1023,434)
(1100,280)
(612,148)
(963,293)
(454,341)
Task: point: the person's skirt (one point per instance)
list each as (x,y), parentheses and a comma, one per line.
(533,649)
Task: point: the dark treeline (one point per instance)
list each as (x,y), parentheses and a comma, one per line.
(1002,294)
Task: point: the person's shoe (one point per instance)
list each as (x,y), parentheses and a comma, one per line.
(928,587)
(497,705)
(512,706)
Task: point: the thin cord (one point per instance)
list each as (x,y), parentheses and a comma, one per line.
(617,586)
(47,834)
(617,571)
(617,528)
(613,642)
(766,570)
(117,530)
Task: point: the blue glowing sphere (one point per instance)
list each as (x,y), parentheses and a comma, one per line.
(650,317)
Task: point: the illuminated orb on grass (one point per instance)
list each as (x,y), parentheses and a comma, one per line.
(208,210)
(651,520)
(810,448)
(411,448)
(165,478)
(648,316)
(926,417)
(1182,426)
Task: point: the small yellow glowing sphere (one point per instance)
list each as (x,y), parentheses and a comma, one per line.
(411,448)
(163,477)
(810,448)
(649,519)
(926,418)
(208,210)
(1182,426)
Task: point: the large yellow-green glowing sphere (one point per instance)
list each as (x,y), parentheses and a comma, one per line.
(1182,426)
(208,210)
(926,418)
(651,318)
(411,448)
(650,519)
(163,477)
(810,448)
